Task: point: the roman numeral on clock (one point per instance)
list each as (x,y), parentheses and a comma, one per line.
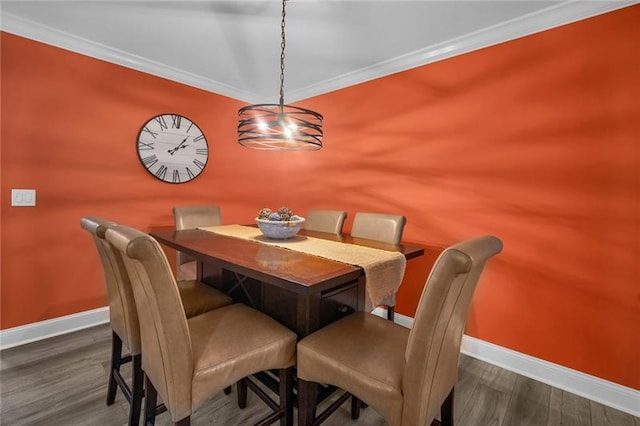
(198,164)
(161,172)
(190,173)
(149,161)
(175,121)
(146,130)
(176,176)
(145,146)
(162,122)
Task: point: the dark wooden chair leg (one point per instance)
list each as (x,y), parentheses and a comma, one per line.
(286,396)
(391,311)
(242,393)
(151,397)
(184,422)
(307,396)
(355,407)
(137,390)
(446,410)
(116,361)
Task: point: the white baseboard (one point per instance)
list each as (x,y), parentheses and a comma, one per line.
(594,388)
(21,335)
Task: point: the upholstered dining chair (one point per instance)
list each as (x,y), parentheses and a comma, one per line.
(407,376)
(196,298)
(192,217)
(386,228)
(187,361)
(329,221)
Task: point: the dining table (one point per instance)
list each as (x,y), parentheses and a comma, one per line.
(302,291)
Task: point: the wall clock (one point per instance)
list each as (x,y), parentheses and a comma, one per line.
(172,148)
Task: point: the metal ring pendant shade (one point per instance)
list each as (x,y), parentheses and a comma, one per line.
(279,127)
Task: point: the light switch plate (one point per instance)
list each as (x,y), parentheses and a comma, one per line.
(23,197)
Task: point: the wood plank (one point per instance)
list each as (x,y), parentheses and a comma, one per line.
(529,403)
(575,410)
(602,415)
(555,408)
(499,378)
(63,380)
(58,381)
(487,407)
(470,370)
(488,403)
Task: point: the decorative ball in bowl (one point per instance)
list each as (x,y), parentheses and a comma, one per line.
(280,229)
(279,225)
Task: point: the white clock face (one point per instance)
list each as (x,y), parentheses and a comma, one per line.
(172,148)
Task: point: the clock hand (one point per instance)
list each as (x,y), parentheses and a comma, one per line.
(172,151)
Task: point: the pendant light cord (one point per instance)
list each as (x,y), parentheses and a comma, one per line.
(282,46)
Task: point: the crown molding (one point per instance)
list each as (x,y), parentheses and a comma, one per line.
(545,19)
(35,31)
(551,17)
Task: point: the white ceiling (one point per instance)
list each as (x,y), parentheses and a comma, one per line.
(233,47)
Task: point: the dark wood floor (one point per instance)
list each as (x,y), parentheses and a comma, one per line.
(62,381)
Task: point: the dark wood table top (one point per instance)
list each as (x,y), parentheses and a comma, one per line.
(295,271)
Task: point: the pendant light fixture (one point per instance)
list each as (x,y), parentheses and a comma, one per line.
(280,127)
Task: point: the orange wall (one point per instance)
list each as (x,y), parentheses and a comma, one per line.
(534,140)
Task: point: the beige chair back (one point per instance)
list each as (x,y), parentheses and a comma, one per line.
(386,228)
(167,355)
(192,217)
(122,309)
(438,327)
(329,221)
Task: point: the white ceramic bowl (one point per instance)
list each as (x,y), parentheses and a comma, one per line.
(279,229)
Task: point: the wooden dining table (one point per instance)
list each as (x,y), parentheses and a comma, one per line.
(302,291)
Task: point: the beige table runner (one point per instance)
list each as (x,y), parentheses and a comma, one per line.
(383,269)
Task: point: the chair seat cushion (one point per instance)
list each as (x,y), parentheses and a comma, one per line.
(235,342)
(198,298)
(334,355)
